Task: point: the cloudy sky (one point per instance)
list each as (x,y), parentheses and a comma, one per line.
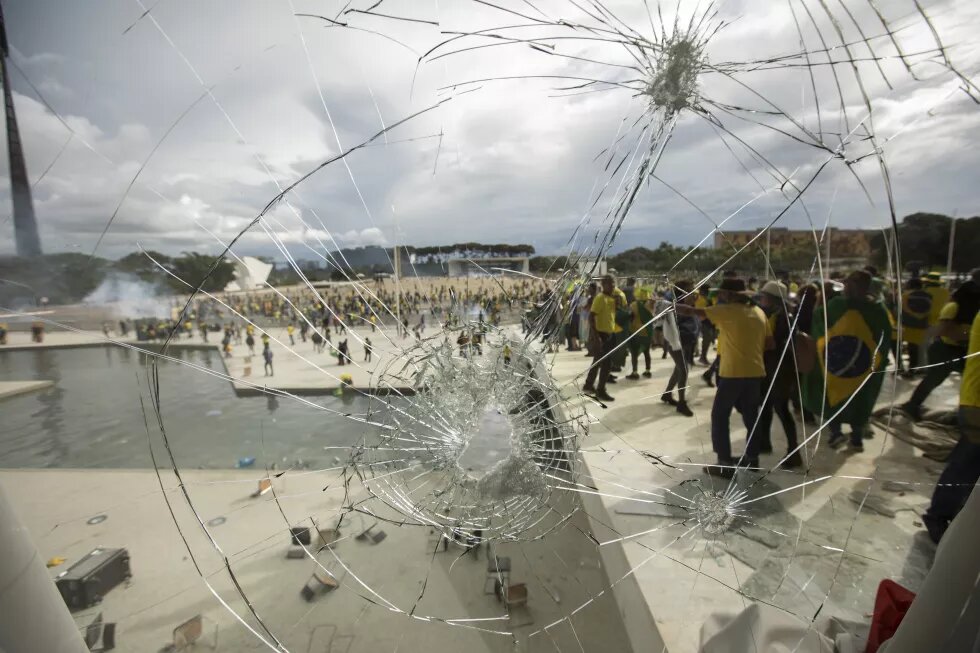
(222,103)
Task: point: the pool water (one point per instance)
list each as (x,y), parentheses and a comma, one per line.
(91,417)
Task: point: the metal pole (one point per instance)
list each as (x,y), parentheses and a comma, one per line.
(398,291)
(827,257)
(33,616)
(768,252)
(952,239)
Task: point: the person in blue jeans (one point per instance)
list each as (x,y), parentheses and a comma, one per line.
(963,465)
(744,336)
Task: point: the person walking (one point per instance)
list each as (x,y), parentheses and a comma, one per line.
(267,359)
(602,329)
(962,469)
(948,350)
(673,344)
(743,337)
(688,326)
(367,350)
(852,334)
(250,343)
(641,331)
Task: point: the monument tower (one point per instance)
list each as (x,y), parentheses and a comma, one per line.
(25,224)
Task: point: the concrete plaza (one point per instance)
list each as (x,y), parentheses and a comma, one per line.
(808,541)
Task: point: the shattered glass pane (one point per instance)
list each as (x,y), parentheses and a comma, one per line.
(228,188)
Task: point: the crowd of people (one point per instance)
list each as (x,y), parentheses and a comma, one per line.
(335,308)
(818,350)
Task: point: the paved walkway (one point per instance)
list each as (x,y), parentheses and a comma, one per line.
(811,541)
(784,549)
(58,507)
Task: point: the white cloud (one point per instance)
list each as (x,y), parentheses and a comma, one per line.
(362,238)
(515,162)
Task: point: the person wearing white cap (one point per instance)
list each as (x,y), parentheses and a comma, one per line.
(780,381)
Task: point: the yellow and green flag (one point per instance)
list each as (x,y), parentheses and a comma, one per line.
(852,351)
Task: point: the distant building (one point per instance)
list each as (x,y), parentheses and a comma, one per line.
(479,267)
(844,243)
(592,267)
(250,273)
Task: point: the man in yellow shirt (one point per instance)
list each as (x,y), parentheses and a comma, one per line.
(963,465)
(744,334)
(602,330)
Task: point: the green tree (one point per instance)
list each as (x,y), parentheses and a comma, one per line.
(923,239)
(141,265)
(201,269)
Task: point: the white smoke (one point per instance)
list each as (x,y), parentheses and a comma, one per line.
(129,296)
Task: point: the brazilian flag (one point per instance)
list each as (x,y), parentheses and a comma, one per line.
(853,347)
(916,308)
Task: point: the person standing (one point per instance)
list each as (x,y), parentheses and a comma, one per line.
(584,310)
(852,335)
(963,465)
(743,336)
(707,328)
(672,339)
(641,331)
(290,329)
(368,350)
(621,325)
(250,343)
(602,329)
(267,359)
(781,382)
(629,290)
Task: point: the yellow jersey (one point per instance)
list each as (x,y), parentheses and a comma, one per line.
(940,297)
(604,309)
(742,332)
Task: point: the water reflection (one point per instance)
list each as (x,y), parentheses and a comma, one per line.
(50,415)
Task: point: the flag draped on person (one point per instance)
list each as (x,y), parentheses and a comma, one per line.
(916,309)
(852,347)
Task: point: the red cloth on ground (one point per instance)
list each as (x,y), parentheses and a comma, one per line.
(891,604)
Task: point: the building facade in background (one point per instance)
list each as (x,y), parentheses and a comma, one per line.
(477,267)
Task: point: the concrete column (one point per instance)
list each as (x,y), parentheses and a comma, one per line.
(33,616)
(945,615)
